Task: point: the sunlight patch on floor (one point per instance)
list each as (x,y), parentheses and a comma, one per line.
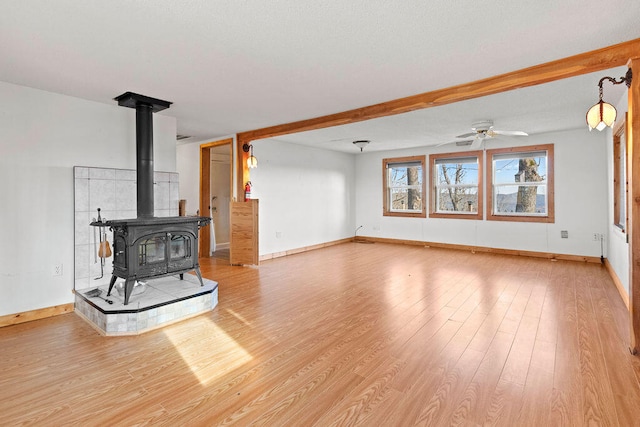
(212,355)
(238,316)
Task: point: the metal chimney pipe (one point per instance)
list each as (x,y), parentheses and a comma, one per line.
(145,107)
(144,160)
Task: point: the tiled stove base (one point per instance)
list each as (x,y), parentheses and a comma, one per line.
(166,300)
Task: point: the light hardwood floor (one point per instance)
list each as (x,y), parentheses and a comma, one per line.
(354,334)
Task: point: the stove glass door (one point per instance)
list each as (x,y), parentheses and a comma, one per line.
(152,250)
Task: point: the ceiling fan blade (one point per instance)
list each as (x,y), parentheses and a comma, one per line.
(476,144)
(510,133)
(467,135)
(445,143)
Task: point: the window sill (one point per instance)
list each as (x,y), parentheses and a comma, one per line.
(513,218)
(406,214)
(476,216)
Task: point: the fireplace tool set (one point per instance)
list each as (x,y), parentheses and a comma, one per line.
(103,250)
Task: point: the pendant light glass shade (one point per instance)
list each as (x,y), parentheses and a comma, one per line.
(252,162)
(601,115)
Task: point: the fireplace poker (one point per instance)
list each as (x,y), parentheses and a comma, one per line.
(95,245)
(107,300)
(95,293)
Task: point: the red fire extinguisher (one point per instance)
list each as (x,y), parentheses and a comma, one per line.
(247,191)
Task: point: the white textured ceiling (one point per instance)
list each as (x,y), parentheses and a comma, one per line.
(231,66)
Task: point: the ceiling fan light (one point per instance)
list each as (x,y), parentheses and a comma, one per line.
(601,115)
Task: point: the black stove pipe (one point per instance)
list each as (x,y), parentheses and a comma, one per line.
(144,160)
(145,107)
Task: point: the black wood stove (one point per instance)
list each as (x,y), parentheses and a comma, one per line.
(148,246)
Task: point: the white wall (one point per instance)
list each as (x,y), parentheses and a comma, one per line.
(580,202)
(618,248)
(310,196)
(42,137)
(307,195)
(188,166)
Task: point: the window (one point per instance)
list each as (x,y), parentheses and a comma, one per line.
(521,183)
(620,177)
(456,185)
(404,187)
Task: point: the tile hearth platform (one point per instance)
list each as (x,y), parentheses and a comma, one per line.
(166,300)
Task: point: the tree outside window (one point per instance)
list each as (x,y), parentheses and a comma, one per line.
(404,186)
(522,184)
(456,185)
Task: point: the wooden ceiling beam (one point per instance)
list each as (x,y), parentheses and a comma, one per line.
(584,63)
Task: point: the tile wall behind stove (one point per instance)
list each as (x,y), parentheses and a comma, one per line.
(114,192)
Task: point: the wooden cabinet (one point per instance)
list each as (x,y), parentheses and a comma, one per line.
(244,233)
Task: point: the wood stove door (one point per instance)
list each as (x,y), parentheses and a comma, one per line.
(181,249)
(152,255)
(120,252)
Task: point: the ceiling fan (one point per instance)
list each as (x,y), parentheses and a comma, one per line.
(484,130)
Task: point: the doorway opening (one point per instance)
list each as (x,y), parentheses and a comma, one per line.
(216,170)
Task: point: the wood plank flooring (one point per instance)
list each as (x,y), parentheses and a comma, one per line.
(354,334)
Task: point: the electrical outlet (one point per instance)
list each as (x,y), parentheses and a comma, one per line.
(57,269)
(278,234)
(596,236)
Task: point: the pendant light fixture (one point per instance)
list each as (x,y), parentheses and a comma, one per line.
(604,114)
(252,161)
